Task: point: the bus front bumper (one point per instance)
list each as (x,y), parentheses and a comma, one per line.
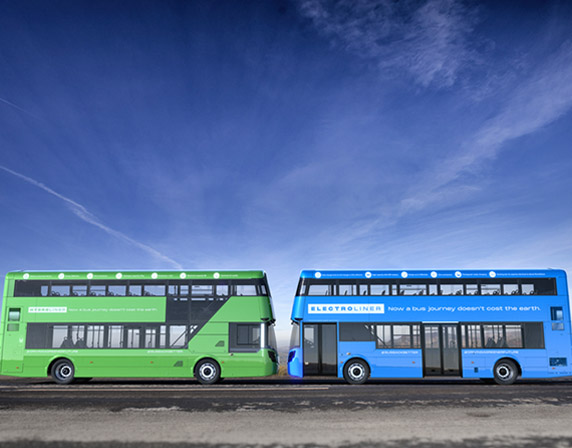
(295,363)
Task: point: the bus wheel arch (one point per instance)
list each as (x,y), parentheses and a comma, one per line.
(506,371)
(356,371)
(62,370)
(207,371)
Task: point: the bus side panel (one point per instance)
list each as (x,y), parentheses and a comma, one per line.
(384,363)
(213,339)
(479,363)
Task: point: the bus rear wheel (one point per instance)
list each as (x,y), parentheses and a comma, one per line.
(356,371)
(207,371)
(63,371)
(506,372)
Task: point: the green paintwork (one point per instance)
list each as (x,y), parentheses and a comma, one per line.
(15,360)
(92,309)
(131,275)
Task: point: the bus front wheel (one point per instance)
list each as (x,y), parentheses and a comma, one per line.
(207,371)
(356,371)
(63,371)
(506,372)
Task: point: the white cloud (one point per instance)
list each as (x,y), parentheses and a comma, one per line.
(85,215)
(537,101)
(426,39)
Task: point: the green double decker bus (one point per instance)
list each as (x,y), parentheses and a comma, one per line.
(150,324)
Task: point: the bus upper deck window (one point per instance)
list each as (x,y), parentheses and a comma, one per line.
(491,289)
(347,289)
(79,290)
(380,289)
(117,290)
(510,289)
(471,289)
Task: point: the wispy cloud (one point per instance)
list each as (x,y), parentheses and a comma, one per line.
(536,102)
(428,39)
(15,106)
(85,215)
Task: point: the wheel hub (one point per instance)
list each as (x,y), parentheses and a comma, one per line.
(207,371)
(356,372)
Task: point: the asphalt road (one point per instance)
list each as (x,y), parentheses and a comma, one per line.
(271,412)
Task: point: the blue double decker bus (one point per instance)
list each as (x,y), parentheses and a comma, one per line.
(493,325)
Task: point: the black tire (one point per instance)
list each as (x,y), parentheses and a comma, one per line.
(356,371)
(63,371)
(505,372)
(207,371)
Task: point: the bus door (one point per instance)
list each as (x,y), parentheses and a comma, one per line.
(320,349)
(441,349)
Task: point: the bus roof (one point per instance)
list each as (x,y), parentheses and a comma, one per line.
(132,275)
(420,274)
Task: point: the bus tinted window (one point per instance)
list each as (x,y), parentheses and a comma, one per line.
(115,336)
(295,335)
(79,290)
(117,290)
(510,289)
(397,335)
(177,336)
(472,289)
(347,289)
(320,289)
(154,290)
(244,337)
(451,288)
(471,336)
(544,287)
(355,331)
(59,290)
(490,289)
(94,336)
(222,289)
(133,337)
(513,335)
(533,335)
(30,288)
(408,289)
(401,336)
(150,337)
(414,287)
(380,289)
(203,290)
(135,290)
(507,335)
(383,336)
(96,289)
(60,337)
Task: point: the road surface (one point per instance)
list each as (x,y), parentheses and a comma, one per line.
(281,412)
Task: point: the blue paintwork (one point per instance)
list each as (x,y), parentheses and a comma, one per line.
(396,274)
(476,363)
(296,363)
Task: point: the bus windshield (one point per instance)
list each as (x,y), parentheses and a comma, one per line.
(295,335)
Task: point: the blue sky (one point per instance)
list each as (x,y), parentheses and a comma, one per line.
(285,135)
